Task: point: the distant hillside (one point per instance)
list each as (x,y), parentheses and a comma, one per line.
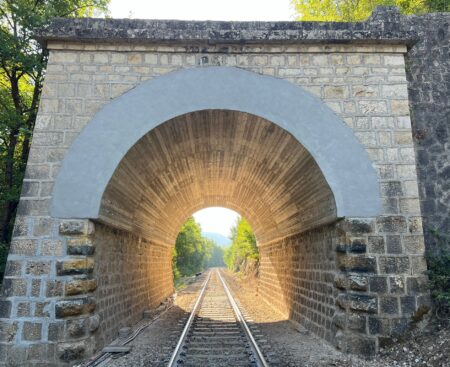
(221,240)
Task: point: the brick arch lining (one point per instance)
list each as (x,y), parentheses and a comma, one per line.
(217,158)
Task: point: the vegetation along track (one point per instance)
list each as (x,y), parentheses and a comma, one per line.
(216,334)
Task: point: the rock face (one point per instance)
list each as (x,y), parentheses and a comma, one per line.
(70,285)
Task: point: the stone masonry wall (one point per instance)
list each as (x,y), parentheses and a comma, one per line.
(133,275)
(356,283)
(297,277)
(428,72)
(50,278)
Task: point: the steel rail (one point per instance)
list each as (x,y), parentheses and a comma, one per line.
(261,360)
(178,349)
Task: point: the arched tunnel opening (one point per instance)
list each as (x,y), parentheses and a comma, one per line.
(222,158)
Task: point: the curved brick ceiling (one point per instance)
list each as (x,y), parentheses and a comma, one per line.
(217,158)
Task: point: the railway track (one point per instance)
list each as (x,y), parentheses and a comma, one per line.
(216,333)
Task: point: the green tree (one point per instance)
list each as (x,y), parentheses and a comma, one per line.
(22,71)
(217,255)
(358,10)
(243,247)
(192,251)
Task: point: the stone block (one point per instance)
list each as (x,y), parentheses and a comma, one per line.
(389,305)
(335,91)
(376,244)
(416,285)
(414,245)
(394,265)
(42,309)
(68,352)
(80,286)
(397,284)
(56,331)
(357,263)
(358,302)
(14,287)
(8,331)
(80,246)
(76,227)
(357,322)
(51,248)
(38,268)
(75,266)
(13,268)
(340,321)
(392,224)
(394,244)
(94,323)
(356,226)
(378,284)
(42,227)
(31,331)
(74,307)
(415,225)
(23,309)
(378,325)
(54,288)
(77,328)
(358,282)
(408,304)
(391,189)
(26,247)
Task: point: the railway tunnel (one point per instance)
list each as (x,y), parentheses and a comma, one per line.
(302,129)
(289,178)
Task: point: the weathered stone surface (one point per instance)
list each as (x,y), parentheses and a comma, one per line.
(77,327)
(94,323)
(389,305)
(357,225)
(8,331)
(358,302)
(357,263)
(5,308)
(80,286)
(71,351)
(428,69)
(38,267)
(31,331)
(76,227)
(378,28)
(392,224)
(394,264)
(75,266)
(74,307)
(353,282)
(80,246)
(14,287)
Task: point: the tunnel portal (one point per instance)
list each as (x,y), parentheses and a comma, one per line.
(306,134)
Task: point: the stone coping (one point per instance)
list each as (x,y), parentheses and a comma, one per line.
(383,26)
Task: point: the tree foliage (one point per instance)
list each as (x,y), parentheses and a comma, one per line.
(243,247)
(192,251)
(22,71)
(358,10)
(217,255)
(438,260)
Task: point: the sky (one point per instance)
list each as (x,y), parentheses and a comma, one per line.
(218,220)
(203,9)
